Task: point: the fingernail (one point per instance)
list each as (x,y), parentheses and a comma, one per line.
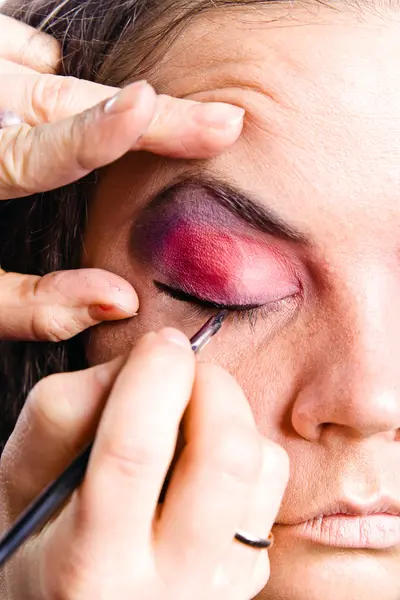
(106,307)
(218,115)
(175,337)
(105,312)
(124,100)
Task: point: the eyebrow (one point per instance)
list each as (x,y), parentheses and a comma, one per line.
(240,203)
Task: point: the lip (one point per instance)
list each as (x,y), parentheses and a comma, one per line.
(371,525)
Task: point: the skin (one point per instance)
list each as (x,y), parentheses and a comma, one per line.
(85,551)
(60,132)
(321,147)
(192,242)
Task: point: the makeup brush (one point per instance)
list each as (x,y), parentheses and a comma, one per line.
(55,494)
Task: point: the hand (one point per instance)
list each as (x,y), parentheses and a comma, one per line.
(67,133)
(112,540)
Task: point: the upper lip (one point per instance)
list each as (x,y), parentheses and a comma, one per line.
(383,504)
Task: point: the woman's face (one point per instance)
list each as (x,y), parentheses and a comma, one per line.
(301,218)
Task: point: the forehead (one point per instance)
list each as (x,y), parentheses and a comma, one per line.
(322,93)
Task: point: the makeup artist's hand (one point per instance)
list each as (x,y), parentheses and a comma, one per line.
(69,130)
(64,138)
(112,540)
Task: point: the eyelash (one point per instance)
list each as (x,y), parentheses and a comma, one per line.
(204,307)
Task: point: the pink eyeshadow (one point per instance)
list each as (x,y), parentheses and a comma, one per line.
(222,268)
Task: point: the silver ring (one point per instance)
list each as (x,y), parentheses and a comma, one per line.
(9,118)
(254,542)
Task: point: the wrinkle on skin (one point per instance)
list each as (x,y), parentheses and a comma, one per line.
(337,89)
(321,147)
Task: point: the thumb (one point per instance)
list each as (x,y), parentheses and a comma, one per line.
(61,304)
(59,418)
(48,156)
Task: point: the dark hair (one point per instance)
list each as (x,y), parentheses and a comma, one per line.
(106,41)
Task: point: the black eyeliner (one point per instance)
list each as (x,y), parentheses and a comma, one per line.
(183,296)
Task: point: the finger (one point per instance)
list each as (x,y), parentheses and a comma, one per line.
(23,44)
(189,129)
(210,486)
(8,119)
(50,156)
(180,128)
(59,417)
(62,304)
(11,68)
(135,443)
(47,98)
(245,566)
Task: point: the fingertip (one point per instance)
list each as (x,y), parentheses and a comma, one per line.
(184,128)
(43,53)
(167,350)
(217,115)
(108,294)
(174,336)
(211,142)
(119,302)
(216,127)
(129,98)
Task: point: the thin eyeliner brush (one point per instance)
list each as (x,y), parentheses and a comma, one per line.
(54,496)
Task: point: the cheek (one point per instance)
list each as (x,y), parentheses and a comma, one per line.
(267,365)
(223,268)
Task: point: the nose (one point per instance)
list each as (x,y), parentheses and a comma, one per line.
(353,385)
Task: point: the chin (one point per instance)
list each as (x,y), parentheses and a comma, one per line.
(311,572)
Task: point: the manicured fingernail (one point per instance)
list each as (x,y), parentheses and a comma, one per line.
(175,337)
(218,115)
(124,100)
(105,312)
(106,307)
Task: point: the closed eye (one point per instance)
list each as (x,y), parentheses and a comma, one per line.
(243,313)
(182,296)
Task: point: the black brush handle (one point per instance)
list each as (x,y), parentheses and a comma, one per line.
(44,506)
(54,496)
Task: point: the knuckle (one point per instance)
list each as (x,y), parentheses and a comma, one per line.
(61,327)
(48,324)
(46,387)
(238,453)
(51,280)
(15,145)
(132,459)
(73,579)
(49,93)
(59,282)
(275,460)
(48,401)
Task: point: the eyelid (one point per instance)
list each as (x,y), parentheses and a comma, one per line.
(181,295)
(197,249)
(241,205)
